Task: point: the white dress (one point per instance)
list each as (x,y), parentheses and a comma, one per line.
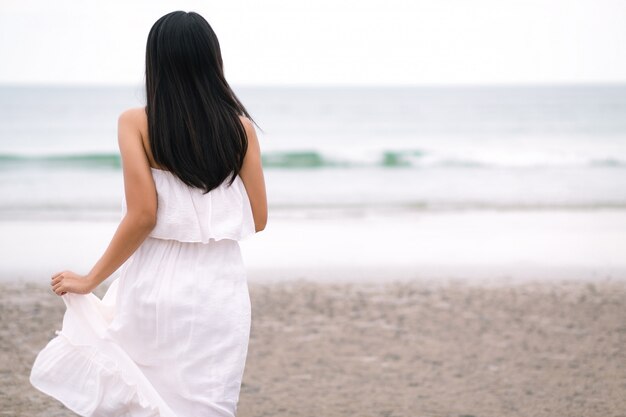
(170,336)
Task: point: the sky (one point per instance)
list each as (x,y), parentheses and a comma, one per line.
(322,42)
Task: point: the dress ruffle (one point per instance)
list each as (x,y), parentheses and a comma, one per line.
(87,371)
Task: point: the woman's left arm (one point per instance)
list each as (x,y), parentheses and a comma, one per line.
(140,218)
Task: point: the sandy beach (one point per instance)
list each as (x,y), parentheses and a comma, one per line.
(475,245)
(400,348)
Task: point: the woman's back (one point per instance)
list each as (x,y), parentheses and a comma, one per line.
(170,336)
(187,214)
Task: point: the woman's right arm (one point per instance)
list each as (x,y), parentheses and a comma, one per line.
(252,175)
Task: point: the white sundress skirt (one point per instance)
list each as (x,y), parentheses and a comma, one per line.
(170,336)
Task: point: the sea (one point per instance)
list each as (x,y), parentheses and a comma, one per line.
(337,151)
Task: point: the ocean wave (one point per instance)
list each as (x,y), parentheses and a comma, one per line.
(304,159)
(95,159)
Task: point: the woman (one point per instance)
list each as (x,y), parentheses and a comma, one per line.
(170,336)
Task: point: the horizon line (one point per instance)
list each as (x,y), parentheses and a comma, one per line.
(4,84)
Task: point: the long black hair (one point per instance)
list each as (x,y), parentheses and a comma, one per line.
(193,115)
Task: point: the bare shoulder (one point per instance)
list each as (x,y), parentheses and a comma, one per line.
(134,114)
(250,131)
(247,124)
(134,117)
(134,121)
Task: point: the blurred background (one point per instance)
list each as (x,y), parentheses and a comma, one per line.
(400,140)
(446,184)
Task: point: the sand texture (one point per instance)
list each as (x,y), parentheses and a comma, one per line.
(395,349)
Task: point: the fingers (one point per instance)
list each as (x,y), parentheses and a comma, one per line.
(60,291)
(56,280)
(58,288)
(57,284)
(57,274)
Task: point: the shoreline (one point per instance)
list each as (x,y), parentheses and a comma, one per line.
(480,246)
